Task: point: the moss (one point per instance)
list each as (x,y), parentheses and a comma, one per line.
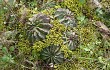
(74,6)
(66,66)
(23,46)
(48,11)
(88,9)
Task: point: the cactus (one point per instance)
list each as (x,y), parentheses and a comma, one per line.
(65,17)
(38,26)
(52,54)
(71,39)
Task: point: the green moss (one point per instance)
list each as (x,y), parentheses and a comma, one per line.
(24,47)
(74,6)
(66,66)
(87,8)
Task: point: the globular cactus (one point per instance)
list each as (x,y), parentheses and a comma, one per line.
(71,39)
(37,27)
(65,17)
(52,54)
